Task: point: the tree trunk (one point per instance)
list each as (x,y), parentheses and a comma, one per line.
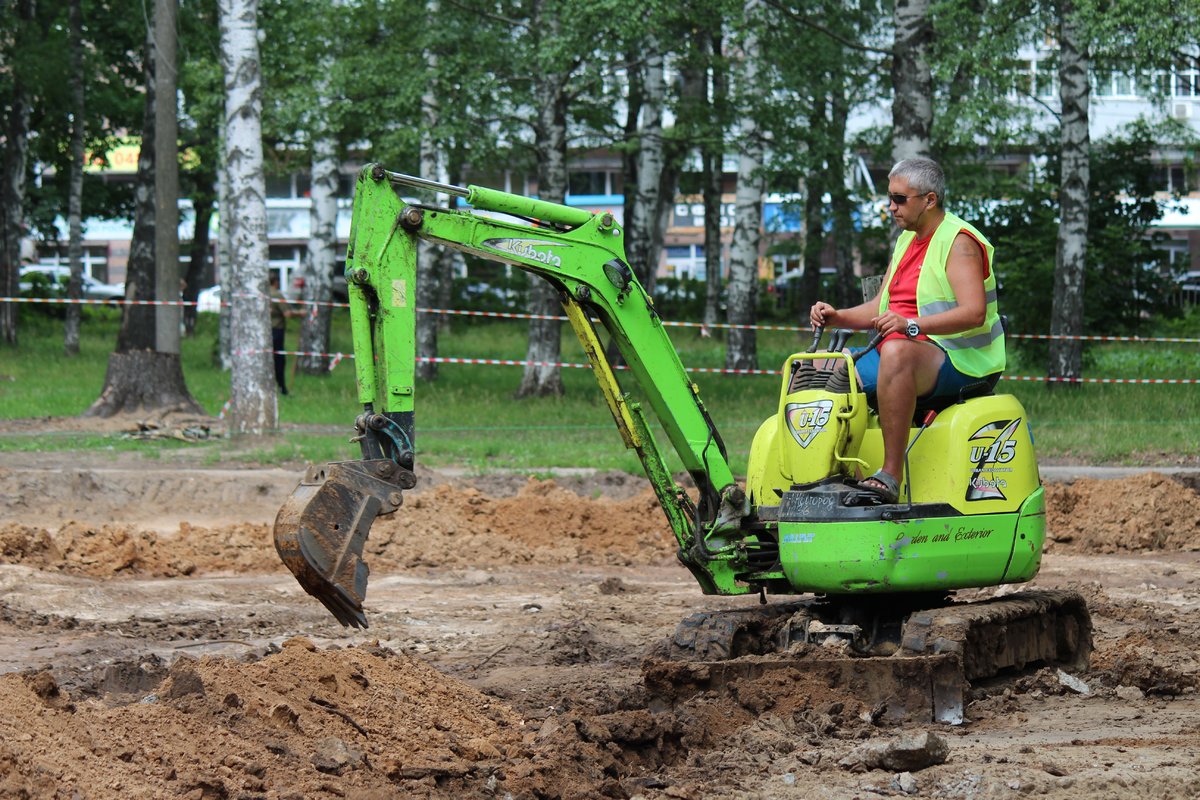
(12,193)
(166,180)
(430,258)
(712,153)
(1066,316)
(144,381)
(140,378)
(741,351)
(629,155)
(912,83)
(321,259)
(197,271)
(137,321)
(664,200)
(816,183)
(453,262)
(253,407)
(639,230)
(841,205)
(224,271)
(814,238)
(75,188)
(711,178)
(542,376)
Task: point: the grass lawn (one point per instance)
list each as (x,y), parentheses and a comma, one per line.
(468,416)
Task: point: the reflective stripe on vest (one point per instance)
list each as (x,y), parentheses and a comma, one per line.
(977,351)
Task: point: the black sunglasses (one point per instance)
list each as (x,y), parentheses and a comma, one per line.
(901,199)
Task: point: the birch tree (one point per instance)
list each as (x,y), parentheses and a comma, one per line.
(321,255)
(642,227)
(912,83)
(433,262)
(741,350)
(75,191)
(224,354)
(253,407)
(560,37)
(1066,319)
(541,375)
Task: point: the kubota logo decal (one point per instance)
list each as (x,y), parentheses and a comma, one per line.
(996,446)
(527,248)
(806,420)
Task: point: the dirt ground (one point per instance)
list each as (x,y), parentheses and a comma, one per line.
(151,645)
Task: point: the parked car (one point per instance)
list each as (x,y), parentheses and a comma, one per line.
(53,279)
(209,300)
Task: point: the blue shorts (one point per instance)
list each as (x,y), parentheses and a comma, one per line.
(949,381)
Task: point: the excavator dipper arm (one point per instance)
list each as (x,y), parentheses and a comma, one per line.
(321,530)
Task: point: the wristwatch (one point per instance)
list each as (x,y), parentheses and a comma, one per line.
(913,329)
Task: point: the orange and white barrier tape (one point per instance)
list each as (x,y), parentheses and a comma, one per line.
(705,328)
(513,362)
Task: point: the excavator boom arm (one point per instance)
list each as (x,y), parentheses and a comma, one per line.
(582,255)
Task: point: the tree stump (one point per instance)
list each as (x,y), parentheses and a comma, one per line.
(142,381)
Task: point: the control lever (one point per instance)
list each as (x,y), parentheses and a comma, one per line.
(817,331)
(838,380)
(804,373)
(871,345)
(838,339)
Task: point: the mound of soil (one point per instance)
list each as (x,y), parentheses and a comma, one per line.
(452,525)
(367,722)
(358,722)
(445,527)
(541,524)
(1145,512)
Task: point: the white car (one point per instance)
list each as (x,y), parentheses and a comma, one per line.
(59,276)
(209,300)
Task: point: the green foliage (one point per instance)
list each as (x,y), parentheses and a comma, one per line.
(1128,280)
(113,52)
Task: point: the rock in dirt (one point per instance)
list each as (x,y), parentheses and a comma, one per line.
(335,756)
(1073,683)
(905,782)
(1130,693)
(905,753)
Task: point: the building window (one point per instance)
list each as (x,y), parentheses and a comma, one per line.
(279,186)
(593,183)
(1185,83)
(686,261)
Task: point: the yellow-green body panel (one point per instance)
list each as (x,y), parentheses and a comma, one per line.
(975,517)
(925,554)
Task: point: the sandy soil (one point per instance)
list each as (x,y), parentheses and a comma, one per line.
(151,645)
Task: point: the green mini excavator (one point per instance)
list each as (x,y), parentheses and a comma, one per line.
(879,576)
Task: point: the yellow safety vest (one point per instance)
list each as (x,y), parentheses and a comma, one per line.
(978,351)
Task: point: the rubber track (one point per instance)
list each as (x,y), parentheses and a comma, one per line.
(991,636)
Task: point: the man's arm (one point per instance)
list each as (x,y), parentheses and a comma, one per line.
(859,317)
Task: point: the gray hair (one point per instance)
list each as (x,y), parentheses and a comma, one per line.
(924,175)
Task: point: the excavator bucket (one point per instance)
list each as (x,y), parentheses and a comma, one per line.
(322,528)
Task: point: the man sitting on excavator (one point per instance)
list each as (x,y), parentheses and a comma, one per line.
(937,308)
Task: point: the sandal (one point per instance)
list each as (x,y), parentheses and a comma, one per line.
(888,488)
